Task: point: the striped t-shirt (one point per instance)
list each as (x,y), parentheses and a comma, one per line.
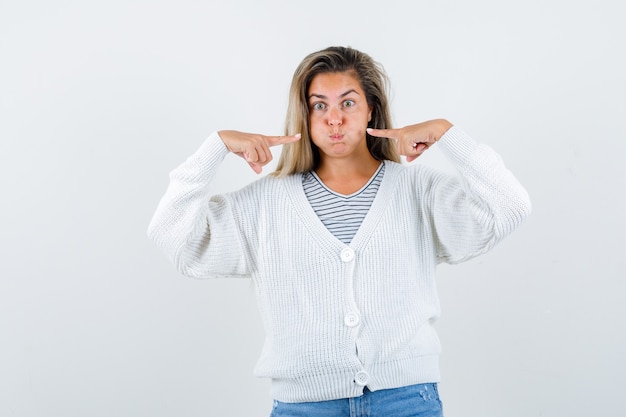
(341,214)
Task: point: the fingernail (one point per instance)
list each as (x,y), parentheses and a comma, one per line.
(368,130)
(298,135)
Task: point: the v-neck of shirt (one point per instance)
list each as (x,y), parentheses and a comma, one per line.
(357,192)
(319,232)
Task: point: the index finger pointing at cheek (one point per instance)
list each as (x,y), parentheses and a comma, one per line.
(279,140)
(384,133)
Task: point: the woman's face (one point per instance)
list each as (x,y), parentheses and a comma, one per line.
(338,115)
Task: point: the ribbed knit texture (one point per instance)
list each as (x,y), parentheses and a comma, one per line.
(338,317)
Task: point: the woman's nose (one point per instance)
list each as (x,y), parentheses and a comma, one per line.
(334,117)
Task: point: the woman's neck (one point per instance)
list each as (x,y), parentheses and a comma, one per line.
(347,175)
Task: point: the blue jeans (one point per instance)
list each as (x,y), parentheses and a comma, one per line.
(421,400)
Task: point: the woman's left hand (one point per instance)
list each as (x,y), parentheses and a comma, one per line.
(412,141)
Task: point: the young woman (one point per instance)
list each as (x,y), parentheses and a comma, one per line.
(343,240)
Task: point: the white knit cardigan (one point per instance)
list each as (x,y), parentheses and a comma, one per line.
(341,317)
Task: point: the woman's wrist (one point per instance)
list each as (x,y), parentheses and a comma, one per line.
(440,127)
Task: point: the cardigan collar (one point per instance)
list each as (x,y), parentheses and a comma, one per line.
(319,232)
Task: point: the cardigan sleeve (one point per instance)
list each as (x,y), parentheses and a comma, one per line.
(197,230)
(473,211)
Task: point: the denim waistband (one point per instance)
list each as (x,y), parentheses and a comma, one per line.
(420,400)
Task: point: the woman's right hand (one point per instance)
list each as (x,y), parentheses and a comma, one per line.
(252,147)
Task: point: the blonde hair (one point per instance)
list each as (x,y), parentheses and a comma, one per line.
(303,155)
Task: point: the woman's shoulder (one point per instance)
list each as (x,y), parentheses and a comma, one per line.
(261,196)
(270,184)
(402,169)
(412,175)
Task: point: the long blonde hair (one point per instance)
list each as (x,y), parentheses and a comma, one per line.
(303,155)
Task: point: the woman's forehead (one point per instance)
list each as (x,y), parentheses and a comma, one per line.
(330,84)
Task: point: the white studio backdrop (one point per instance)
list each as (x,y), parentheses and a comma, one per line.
(100,100)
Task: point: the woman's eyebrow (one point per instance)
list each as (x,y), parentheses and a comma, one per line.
(348,92)
(323,97)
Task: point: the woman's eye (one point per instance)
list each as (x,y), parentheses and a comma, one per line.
(319,106)
(348,103)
